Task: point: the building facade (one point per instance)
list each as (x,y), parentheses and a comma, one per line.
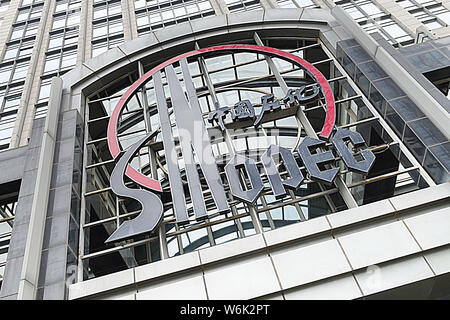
(83,82)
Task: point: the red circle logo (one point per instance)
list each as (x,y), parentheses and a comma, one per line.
(143,180)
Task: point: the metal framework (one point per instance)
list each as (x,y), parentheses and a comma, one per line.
(372,18)
(228,79)
(8,205)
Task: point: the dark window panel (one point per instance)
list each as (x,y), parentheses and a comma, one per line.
(445,51)
(443,42)
(358,54)
(362,81)
(428,61)
(406,109)
(405,161)
(415,175)
(427,132)
(417,48)
(339,53)
(442,152)
(348,65)
(363,111)
(435,168)
(388,88)
(413,143)
(422,183)
(377,100)
(372,70)
(394,120)
(348,43)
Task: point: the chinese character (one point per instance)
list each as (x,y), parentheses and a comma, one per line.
(218,116)
(243,110)
(289,99)
(299,95)
(268,104)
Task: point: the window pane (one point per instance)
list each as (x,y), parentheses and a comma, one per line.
(51,65)
(20,72)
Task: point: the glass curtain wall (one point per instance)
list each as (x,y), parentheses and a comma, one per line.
(234,77)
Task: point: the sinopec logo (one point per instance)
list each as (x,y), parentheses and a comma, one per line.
(178,98)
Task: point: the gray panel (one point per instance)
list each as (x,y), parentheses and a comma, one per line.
(295,175)
(53,265)
(234,180)
(152,207)
(28,182)
(54,291)
(339,142)
(23,210)
(56,231)
(32,159)
(18,241)
(194,138)
(59,200)
(62,174)
(10,284)
(64,150)
(12,164)
(311,161)
(176,186)
(429,61)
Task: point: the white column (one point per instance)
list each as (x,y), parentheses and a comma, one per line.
(33,249)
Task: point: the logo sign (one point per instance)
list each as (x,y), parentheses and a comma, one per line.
(244,110)
(197,151)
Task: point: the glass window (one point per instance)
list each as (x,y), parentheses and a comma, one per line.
(31,29)
(61,6)
(107,22)
(97,50)
(62,46)
(431,24)
(395,31)
(100,12)
(4,4)
(11,103)
(157,14)
(20,71)
(17,32)
(6,129)
(59,22)
(242,5)
(115,26)
(372,18)
(114,9)
(51,65)
(99,30)
(252,83)
(5,73)
(371,9)
(297,4)
(11,52)
(431,13)
(55,41)
(23,15)
(73,19)
(44,92)
(445,16)
(68,60)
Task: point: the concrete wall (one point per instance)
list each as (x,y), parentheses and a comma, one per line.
(410,124)
(22,164)
(60,241)
(60,246)
(381,250)
(310,258)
